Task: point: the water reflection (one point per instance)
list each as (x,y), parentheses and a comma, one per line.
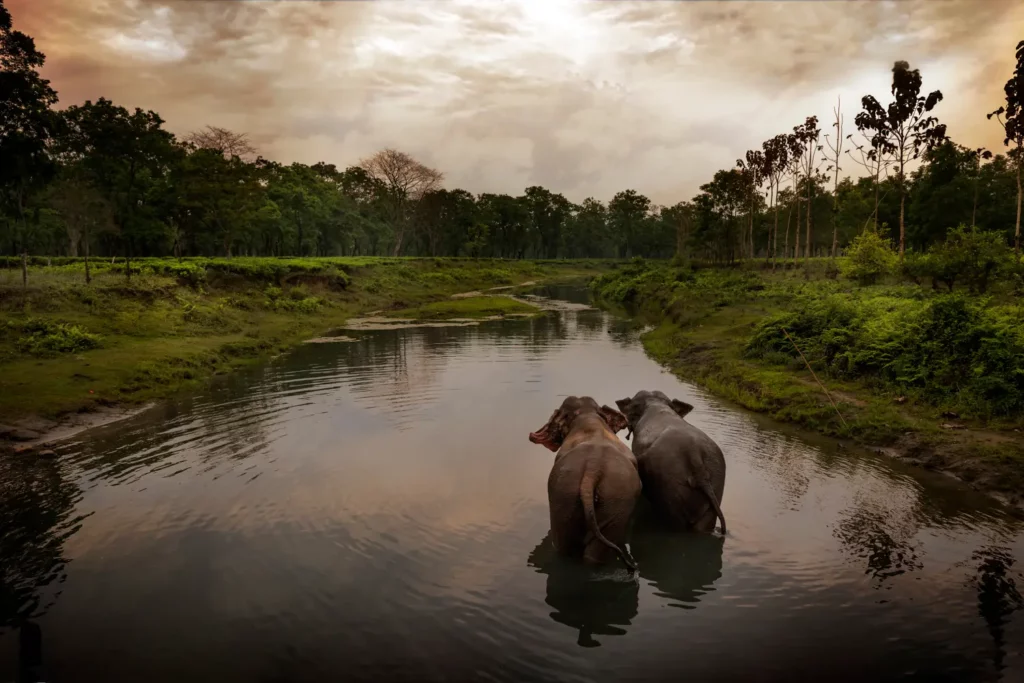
(36,517)
(998,595)
(598,601)
(682,567)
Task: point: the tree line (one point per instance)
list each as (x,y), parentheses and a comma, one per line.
(102,179)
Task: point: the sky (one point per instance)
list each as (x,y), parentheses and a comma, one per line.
(584,97)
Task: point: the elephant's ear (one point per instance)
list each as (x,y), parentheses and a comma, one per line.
(616,420)
(623,403)
(681,407)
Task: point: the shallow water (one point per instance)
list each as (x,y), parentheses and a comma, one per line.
(373,510)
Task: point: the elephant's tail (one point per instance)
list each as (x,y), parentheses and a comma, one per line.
(587,487)
(710,493)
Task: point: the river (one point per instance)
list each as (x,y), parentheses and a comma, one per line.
(374,511)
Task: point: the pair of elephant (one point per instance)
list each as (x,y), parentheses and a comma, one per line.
(596,479)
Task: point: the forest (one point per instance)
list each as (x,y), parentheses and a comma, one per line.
(100,179)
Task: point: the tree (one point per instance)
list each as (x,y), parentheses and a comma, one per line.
(27,123)
(626,213)
(876,162)
(548,214)
(903,129)
(123,156)
(808,134)
(753,170)
(228,143)
(405,181)
(776,161)
(836,150)
(1013,127)
(83,209)
(796,152)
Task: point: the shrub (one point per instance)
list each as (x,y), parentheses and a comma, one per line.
(970,256)
(45,338)
(870,257)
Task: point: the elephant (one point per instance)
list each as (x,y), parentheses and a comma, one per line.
(682,469)
(594,483)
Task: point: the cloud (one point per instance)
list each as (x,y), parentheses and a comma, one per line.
(586,98)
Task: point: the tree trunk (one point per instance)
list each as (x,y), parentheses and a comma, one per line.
(88,278)
(785,244)
(807,247)
(878,173)
(974,209)
(775,246)
(796,235)
(903,234)
(1016,234)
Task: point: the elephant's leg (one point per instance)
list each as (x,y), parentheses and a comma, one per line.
(567,527)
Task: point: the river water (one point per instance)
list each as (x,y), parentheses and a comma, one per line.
(373,511)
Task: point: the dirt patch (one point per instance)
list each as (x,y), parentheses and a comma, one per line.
(37,433)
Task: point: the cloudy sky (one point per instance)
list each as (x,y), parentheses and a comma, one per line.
(584,97)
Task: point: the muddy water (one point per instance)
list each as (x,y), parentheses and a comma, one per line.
(372,510)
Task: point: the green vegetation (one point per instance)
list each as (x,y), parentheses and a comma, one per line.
(472,307)
(902,361)
(66,346)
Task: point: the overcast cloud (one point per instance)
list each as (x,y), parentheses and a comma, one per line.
(585,98)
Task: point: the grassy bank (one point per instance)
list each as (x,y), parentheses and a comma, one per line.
(68,347)
(933,377)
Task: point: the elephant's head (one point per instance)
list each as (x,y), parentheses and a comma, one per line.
(634,408)
(560,424)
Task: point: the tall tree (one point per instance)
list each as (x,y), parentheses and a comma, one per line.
(626,213)
(796,154)
(834,158)
(405,181)
(876,159)
(752,166)
(27,123)
(807,134)
(1013,127)
(776,160)
(903,128)
(124,155)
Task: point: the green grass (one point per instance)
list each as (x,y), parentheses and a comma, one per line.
(472,307)
(66,346)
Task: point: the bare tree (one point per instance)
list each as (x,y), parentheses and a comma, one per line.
(903,127)
(876,161)
(977,156)
(231,144)
(405,181)
(833,158)
(1013,126)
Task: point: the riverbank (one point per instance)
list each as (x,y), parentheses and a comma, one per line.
(722,330)
(69,350)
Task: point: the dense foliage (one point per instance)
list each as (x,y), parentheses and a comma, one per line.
(948,349)
(99,179)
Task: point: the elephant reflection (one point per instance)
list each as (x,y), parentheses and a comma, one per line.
(682,567)
(36,508)
(594,601)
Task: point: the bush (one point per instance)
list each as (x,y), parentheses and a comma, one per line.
(870,258)
(45,338)
(970,256)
